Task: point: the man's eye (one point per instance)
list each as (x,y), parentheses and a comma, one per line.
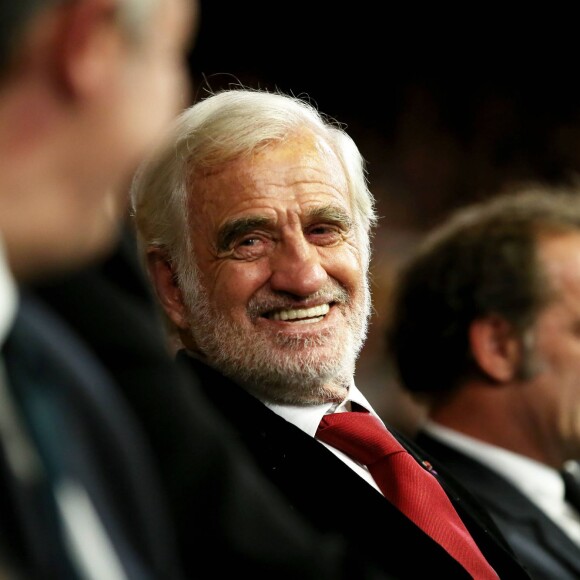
(320,230)
(249,242)
(251,247)
(324,234)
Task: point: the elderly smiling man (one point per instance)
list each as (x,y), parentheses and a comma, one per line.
(255,226)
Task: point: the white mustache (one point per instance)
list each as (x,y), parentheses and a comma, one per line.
(261,305)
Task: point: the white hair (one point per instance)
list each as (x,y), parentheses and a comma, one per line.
(224,126)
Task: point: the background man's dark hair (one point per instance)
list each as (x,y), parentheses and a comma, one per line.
(482,261)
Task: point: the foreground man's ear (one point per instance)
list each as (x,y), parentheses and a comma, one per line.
(89,44)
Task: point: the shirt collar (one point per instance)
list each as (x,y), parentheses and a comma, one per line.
(308,417)
(533,478)
(8,296)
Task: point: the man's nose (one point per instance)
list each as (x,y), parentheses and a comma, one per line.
(296,268)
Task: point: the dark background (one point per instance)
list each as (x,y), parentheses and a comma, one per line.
(445,108)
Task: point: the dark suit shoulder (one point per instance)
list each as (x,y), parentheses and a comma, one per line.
(538,541)
(85,432)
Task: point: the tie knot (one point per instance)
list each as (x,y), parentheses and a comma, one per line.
(358,434)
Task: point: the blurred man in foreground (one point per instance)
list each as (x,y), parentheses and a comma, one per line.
(86,89)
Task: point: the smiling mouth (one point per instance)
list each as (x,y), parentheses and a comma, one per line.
(313,314)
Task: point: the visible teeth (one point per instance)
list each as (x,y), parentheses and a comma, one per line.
(299,313)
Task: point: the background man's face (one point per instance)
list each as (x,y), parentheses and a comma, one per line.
(556,351)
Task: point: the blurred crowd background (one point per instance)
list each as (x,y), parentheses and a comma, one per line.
(446,109)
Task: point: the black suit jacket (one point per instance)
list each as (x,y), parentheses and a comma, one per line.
(321,487)
(229,520)
(84,433)
(540,544)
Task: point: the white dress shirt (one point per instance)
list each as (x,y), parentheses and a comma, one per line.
(543,485)
(308,419)
(8,296)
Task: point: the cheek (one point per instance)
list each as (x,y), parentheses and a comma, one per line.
(345,267)
(560,367)
(236,283)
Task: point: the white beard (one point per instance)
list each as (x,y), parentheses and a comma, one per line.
(281,368)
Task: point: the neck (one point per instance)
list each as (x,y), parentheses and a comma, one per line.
(501,416)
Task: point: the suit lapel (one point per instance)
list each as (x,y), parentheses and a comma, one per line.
(506,502)
(33,479)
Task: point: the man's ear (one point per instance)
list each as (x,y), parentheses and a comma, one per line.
(165,285)
(495,347)
(89,45)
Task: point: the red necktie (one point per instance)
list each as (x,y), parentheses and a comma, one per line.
(410,487)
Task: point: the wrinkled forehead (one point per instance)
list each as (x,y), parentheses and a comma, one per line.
(302,169)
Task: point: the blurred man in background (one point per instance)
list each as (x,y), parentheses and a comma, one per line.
(485,331)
